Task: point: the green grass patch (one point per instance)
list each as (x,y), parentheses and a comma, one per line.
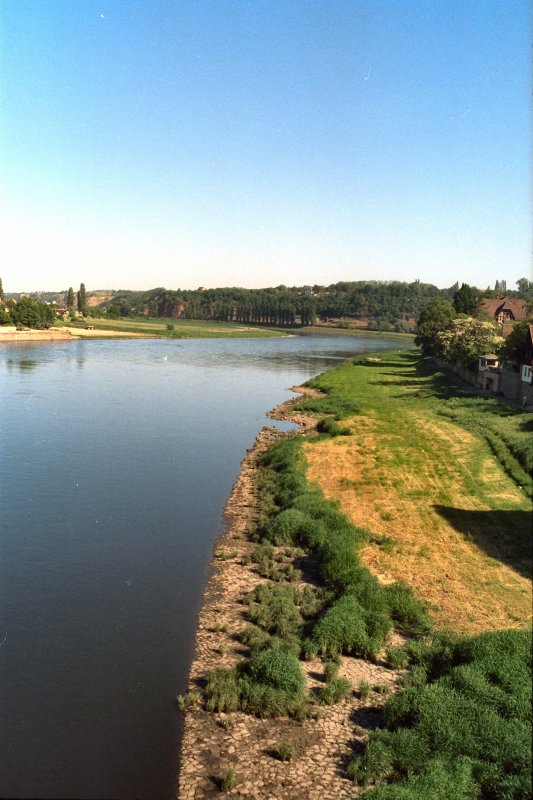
(181,329)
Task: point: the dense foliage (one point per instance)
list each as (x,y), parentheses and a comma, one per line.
(464,725)
(27,312)
(390,304)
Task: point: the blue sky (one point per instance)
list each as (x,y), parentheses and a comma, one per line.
(187,143)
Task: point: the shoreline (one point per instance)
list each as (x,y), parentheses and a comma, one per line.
(213,742)
(66,334)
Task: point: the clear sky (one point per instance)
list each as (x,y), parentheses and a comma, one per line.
(186,143)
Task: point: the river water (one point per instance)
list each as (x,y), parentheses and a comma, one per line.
(116,460)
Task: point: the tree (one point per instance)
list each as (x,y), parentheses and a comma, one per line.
(515,342)
(29,312)
(82,297)
(70,297)
(435,318)
(1,290)
(468,338)
(465,300)
(524,285)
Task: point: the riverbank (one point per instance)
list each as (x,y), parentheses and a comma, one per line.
(438,511)
(217,744)
(11,335)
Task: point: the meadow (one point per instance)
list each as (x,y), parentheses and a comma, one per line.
(177,329)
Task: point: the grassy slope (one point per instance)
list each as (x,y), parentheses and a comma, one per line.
(183,329)
(421,475)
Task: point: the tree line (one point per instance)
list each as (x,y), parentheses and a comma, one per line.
(384,302)
(387,305)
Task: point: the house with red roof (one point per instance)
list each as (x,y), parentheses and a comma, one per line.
(505,311)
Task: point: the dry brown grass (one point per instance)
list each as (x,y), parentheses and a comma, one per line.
(389,480)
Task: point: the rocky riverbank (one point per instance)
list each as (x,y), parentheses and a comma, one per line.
(215,743)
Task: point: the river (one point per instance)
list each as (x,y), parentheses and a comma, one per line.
(116,461)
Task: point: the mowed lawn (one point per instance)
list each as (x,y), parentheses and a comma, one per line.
(420,475)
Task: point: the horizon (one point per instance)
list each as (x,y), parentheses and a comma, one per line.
(225,143)
(259,288)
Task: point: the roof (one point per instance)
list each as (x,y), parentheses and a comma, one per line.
(495,306)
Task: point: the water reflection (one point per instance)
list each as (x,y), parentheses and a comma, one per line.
(22,364)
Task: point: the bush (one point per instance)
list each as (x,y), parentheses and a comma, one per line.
(330,427)
(275,669)
(254,638)
(286,527)
(406,609)
(188,700)
(364,689)
(285,751)
(347,627)
(471,706)
(336,690)
(333,403)
(227,780)
(223,691)
(331,669)
(273,608)
(397,657)
(342,629)
(437,783)
(268,684)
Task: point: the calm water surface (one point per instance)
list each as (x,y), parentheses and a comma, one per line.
(116,461)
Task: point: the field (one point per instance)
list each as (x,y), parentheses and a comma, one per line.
(182,329)
(419,472)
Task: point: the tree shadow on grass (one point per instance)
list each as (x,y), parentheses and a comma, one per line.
(503,535)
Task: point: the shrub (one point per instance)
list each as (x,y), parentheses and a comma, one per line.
(309,649)
(331,669)
(223,691)
(276,669)
(406,609)
(254,638)
(397,657)
(286,527)
(347,627)
(285,751)
(364,689)
(437,783)
(333,403)
(188,700)
(336,690)
(471,706)
(228,780)
(273,608)
(328,426)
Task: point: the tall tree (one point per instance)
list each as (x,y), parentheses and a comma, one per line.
(467,338)
(435,318)
(82,297)
(1,290)
(465,300)
(524,285)
(70,297)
